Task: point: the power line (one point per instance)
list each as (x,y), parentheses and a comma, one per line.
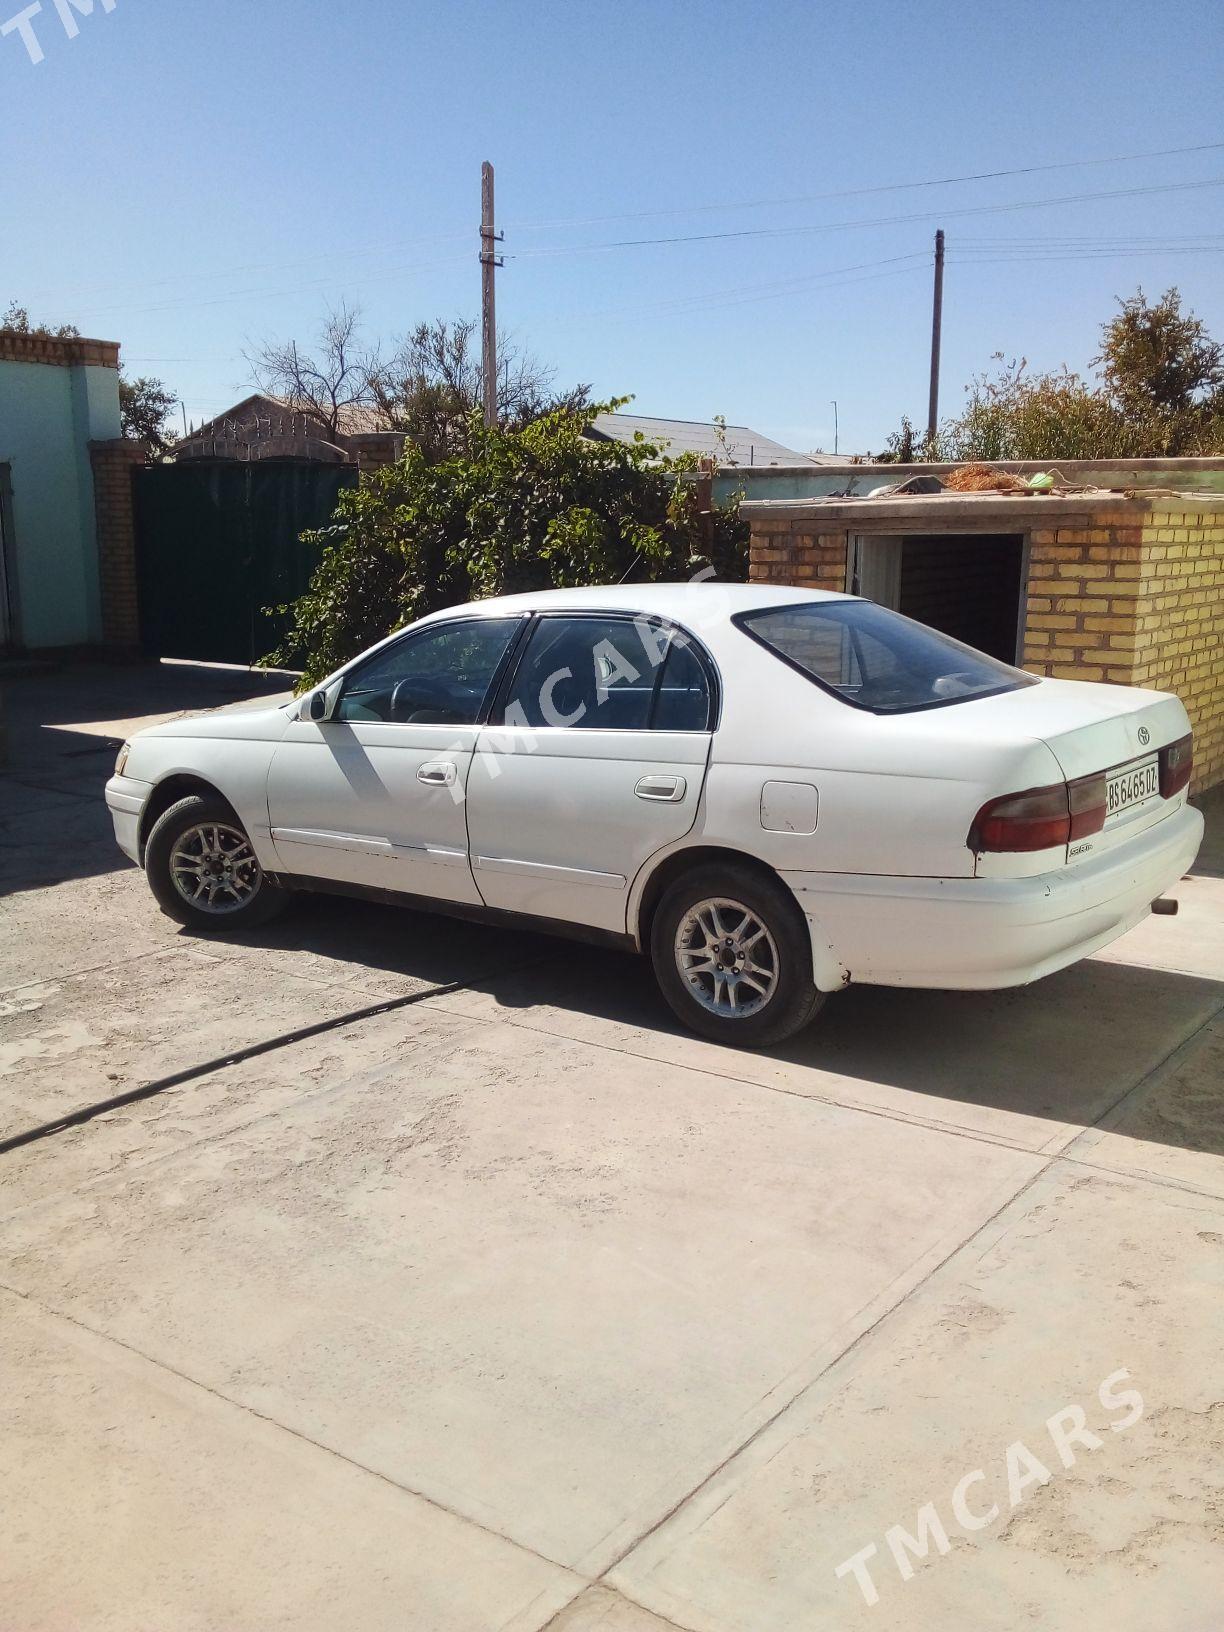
(863,192)
(332,256)
(963,253)
(1094,240)
(715,300)
(1031,257)
(1036,254)
(984,252)
(783,285)
(875,221)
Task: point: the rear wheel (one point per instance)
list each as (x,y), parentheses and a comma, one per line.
(732,956)
(203,871)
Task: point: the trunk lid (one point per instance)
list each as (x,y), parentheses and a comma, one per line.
(1089,728)
(1093,728)
(1118,729)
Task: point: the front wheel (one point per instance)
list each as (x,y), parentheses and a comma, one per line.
(733,958)
(203,871)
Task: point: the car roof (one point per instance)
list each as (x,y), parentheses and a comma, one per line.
(677,602)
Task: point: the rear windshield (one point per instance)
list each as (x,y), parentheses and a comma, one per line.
(877,659)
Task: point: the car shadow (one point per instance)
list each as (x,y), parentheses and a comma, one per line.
(1066,1050)
(350,936)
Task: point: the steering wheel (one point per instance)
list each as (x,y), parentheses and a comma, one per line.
(415,691)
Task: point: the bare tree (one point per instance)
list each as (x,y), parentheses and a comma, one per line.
(433,381)
(329,379)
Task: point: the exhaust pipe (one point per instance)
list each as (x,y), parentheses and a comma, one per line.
(1165,906)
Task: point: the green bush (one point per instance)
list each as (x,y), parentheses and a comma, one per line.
(539,507)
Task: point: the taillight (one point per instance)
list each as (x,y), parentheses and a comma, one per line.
(1088,801)
(1176,763)
(1041,818)
(1036,820)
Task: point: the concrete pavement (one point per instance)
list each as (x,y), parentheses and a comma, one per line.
(515,1307)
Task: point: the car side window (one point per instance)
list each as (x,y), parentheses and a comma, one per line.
(608,674)
(438,677)
(682,702)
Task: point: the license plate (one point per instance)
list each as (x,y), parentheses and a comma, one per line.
(1131,786)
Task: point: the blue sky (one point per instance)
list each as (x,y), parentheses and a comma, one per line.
(190,177)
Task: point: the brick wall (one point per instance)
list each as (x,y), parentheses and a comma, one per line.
(1137,598)
(1083,580)
(780,555)
(1179,636)
(73,352)
(116,533)
(1120,589)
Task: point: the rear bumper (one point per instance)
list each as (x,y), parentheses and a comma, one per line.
(969,933)
(125,799)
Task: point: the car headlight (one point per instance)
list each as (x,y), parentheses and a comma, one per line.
(121,759)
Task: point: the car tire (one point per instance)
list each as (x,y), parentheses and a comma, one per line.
(201,837)
(733,957)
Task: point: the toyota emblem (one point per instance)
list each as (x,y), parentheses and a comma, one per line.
(1145,736)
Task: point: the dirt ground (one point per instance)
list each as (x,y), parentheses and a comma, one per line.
(509,1305)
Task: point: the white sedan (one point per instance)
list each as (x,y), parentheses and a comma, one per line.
(771,791)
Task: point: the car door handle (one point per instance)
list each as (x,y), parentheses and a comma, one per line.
(437,773)
(666,788)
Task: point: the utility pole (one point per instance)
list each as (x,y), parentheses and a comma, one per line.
(490,260)
(936,327)
(834,427)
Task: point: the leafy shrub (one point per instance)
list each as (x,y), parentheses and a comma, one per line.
(536,507)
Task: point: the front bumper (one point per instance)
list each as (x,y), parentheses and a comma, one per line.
(126,799)
(974,933)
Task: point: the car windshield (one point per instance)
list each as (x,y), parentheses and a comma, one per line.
(877,659)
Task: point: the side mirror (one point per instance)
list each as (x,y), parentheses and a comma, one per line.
(320,705)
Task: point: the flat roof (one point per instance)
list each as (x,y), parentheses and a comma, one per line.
(1019,508)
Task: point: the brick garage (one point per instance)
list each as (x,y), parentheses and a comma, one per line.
(1107,587)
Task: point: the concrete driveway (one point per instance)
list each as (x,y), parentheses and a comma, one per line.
(496,1302)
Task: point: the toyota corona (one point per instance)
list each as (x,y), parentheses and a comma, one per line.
(770,792)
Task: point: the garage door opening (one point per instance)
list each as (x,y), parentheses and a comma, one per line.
(966,584)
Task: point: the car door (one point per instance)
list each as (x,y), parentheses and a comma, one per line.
(593,761)
(375,794)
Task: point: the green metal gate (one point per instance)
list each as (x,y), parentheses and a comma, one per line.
(218,543)
(8,621)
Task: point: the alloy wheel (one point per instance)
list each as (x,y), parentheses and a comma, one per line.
(727,958)
(214,869)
